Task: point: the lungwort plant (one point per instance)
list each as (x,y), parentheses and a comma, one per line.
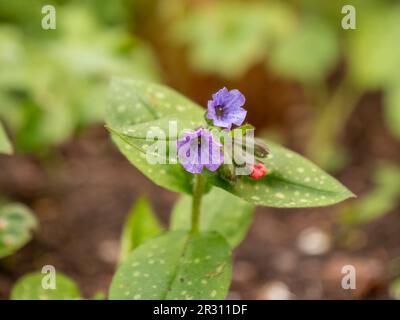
(213,159)
(222,171)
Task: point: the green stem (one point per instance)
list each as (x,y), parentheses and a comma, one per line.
(331,117)
(198,190)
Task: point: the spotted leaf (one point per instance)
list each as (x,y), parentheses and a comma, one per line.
(135,109)
(292,182)
(175,266)
(16,226)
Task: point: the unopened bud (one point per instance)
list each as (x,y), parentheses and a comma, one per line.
(257,147)
(260,149)
(259,171)
(227,172)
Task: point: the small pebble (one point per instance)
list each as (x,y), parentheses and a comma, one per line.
(314,241)
(275,290)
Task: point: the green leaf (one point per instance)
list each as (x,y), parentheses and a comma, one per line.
(16,225)
(292,182)
(135,107)
(134,102)
(141,225)
(175,266)
(221,211)
(30,287)
(5,144)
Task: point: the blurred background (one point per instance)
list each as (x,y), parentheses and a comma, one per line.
(331,94)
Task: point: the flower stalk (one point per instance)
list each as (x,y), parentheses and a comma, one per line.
(198,190)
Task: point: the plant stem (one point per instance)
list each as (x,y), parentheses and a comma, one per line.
(330,119)
(198,190)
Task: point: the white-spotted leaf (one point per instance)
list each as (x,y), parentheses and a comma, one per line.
(176,265)
(30,287)
(141,225)
(135,109)
(133,102)
(16,226)
(292,182)
(220,211)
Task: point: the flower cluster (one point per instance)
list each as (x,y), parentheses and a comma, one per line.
(198,149)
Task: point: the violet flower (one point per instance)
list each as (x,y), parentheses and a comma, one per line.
(225,109)
(198,149)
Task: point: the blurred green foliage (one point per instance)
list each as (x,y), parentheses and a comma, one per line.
(308,54)
(5,145)
(373,51)
(141,225)
(17,224)
(381,200)
(30,287)
(394,289)
(54,81)
(303,41)
(229,37)
(373,54)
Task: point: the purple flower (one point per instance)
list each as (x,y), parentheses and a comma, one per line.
(226,109)
(198,149)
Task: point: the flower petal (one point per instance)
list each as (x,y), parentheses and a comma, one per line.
(237,116)
(231,103)
(194,156)
(236,99)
